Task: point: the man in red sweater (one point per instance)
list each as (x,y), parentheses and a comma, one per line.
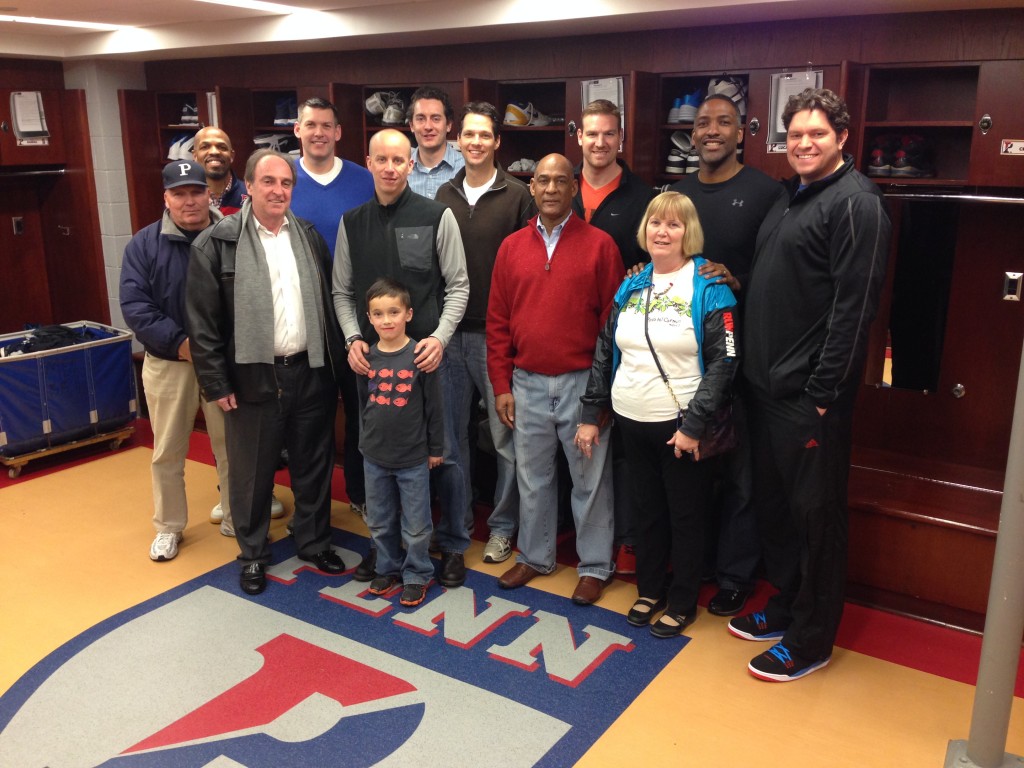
(551,289)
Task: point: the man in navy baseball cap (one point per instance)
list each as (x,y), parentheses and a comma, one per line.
(153,305)
(182,172)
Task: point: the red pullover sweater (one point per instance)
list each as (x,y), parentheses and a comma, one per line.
(547,320)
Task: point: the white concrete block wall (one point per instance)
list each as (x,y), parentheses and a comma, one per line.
(101,80)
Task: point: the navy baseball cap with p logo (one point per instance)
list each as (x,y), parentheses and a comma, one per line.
(182,172)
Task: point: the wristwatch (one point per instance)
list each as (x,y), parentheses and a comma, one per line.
(351,340)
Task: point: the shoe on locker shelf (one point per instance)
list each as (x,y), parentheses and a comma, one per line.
(394,113)
(673,113)
(691,101)
(676,162)
(378,102)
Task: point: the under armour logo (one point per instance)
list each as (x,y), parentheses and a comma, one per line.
(737,203)
(186,167)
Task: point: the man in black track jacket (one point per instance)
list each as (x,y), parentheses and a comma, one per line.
(817,274)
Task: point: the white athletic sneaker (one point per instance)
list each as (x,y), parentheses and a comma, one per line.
(217,514)
(276,507)
(164,547)
(498,549)
(394,113)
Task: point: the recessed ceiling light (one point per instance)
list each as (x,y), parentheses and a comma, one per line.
(64,23)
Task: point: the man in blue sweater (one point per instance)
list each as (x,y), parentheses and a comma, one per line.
(325,187)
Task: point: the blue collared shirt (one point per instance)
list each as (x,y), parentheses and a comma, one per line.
(426,181)
(550,241)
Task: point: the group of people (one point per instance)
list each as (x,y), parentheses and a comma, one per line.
(430,280)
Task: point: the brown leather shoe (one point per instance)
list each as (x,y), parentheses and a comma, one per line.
(518,575)
(588,591)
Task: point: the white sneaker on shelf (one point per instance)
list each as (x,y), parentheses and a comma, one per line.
(276,508)
(164,546)
(394,114)
(498,549)
(217,514)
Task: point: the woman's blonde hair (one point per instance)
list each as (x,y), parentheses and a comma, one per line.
(673,205)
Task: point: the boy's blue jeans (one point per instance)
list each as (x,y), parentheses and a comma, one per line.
(398,510)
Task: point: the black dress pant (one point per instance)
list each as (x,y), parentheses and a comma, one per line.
(300,419)
(670,497)
(801,470)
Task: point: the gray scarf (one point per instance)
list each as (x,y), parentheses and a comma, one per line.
(254,304)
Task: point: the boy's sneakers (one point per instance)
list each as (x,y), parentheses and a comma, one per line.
(164,546)
(755,626)
(778,665)
(413,594)
(381,585)
(498,549)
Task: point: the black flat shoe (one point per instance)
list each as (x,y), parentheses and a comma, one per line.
(254,578)
(643,609)
(326,562)
(661,628)
(728,602)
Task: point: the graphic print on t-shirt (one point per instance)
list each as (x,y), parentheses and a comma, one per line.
(391,387)
(663,307)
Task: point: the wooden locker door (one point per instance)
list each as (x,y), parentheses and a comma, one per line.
(24,289)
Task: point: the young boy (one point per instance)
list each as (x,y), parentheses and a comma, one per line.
(401,441)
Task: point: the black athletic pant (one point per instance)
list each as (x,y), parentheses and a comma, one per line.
(801,467)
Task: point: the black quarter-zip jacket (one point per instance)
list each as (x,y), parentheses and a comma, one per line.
(817,274)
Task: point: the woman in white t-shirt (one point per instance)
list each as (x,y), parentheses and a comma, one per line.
(663,364)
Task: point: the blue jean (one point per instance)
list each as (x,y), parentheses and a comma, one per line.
(468,354)
(547,412)
(397,512)
(452,533)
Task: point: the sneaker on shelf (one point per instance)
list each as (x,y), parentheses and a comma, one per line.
(164,546)
(755,626)
(498,549)
(683,141)
(275,141)
(911,160)
(394,112)
(185,148)
(691,101)
(733,88)
(378,102)
(276,508)
(174,149)
(189,114)
(879,165)
(692,162)
(286,111)
(779,665)
(517,113)
(676,162)
(673,113)
(217,514)
(625,560)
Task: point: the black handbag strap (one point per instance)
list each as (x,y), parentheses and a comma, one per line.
(657,360)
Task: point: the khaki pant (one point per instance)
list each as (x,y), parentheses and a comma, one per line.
(172,394)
